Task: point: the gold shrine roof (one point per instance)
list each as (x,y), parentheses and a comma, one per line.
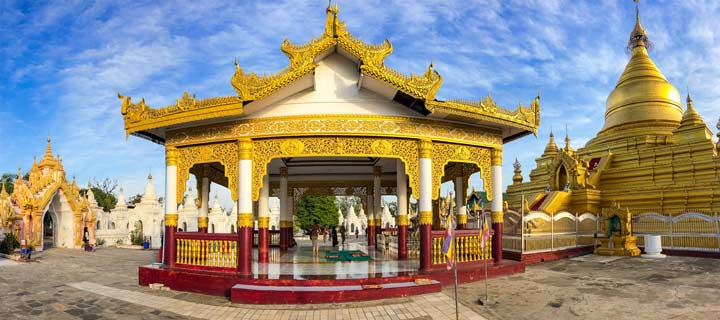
(416,91)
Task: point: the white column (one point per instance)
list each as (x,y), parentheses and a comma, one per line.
(289,216)
(370,208)
(497,202)
(377,196)
(263,205)
(205,195)
(284,203)
(402,200)
(460,199)
(425,201)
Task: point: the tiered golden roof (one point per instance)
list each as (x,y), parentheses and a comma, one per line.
(421,88)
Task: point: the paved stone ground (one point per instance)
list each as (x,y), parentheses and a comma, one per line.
(72,284)
(601,288)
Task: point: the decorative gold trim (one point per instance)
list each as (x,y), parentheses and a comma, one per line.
(286,224)
(245,148)
(203,222)
(171,156)
(425,148)
(425,217)
(264,222)
(171,220)
(371,222)
(444,153)
(338,125)
(402,220)
(496,157)
(226,154)
(267,149)
(496,216)
(462,218)
(523,117)
(245,220)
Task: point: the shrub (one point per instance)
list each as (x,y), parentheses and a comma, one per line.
(136,238)
(9,244)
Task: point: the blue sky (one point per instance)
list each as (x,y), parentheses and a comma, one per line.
(61,63)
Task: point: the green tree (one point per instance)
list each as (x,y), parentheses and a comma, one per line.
(392,206)
(8,180)
(322,209)
(103,192)
(135,199)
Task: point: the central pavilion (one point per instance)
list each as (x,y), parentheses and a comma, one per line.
(335,121)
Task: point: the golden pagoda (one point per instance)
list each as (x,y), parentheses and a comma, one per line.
(649,157)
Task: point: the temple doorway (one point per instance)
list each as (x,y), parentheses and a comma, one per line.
(49,227)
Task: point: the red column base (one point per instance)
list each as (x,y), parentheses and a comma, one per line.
(263,245)
(169,246)
(497,242)
(462,226)
(402,242)
(371,236)
(203,230)
(244,251)
(425,247)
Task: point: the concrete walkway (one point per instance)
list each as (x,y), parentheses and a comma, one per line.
(431,306)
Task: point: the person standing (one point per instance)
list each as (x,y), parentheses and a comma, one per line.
(343,233)
(314,233)
(334,236)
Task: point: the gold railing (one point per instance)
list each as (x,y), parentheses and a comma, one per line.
(467,246)
(207,253)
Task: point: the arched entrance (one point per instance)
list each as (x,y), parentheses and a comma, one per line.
(49,230)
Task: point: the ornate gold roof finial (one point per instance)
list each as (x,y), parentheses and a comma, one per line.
(331,22)
(517,177)
(638,36)
(19,174)
(691,116)
(3,192)
(551,147)
(567,139)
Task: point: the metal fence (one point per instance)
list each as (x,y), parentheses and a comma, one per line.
(538,231)
(691,231)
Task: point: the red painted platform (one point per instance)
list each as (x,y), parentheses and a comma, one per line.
(303,294)
(320,288)
(538,257)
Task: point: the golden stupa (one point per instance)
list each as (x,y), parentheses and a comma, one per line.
(649,156)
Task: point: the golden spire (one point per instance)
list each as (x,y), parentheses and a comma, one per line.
(48,157)
(19,174)
(551,147)
(638,36)
(642,94)
(567,139)
(3,192)
(691,117)
(517,178)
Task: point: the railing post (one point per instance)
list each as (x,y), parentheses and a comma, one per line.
(552,232)
(576,230)
(522,234)
(671,230)
(717,230)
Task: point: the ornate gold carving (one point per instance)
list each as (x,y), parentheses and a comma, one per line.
(225,153)
(496,216)
(527,118)
(267,149)
(171,220)
(444,153)
(333,125)
(171,156)
(496,157)
(425,148)
(402,220)
(245,149)
(381,146)
(139,116)
(202,222)
(264,222)
(425,217)
(290,147)
(286,224)
(245,220)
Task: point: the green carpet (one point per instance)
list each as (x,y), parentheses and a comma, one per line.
(346,255)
